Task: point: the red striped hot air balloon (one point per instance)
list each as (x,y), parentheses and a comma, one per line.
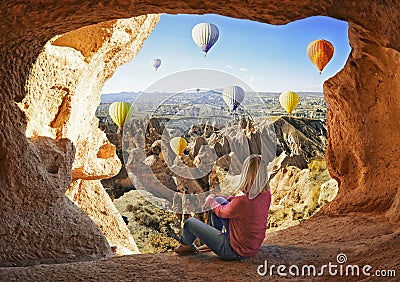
(320,53)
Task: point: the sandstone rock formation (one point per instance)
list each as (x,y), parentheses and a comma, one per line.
(91,197)
(298,194)
(61,131)
(37,159)
(154,229)
(299,188)
(302,184)
(363,148)
(301,137)
(86,64)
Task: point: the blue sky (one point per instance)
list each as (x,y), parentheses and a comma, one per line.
(266,57)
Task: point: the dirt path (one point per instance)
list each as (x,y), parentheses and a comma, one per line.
(364,239)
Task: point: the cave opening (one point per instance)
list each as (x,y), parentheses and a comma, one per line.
(304,174)
(96,58)
(75,51)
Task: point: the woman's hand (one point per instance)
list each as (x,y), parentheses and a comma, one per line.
(210,196)
(208,201)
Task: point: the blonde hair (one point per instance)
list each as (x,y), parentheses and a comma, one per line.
(254,177)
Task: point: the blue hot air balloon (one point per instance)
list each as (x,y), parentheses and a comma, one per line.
(156,64)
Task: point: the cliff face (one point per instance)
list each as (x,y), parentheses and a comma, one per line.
(61,149)
(41,153)
(80,62)
(363,125)
(303,137)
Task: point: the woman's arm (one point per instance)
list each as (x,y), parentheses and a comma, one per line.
(230,210)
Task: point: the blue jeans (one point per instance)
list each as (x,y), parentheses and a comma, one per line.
(211,236)
(218,222)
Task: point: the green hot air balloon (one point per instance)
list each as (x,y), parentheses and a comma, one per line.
(119,112)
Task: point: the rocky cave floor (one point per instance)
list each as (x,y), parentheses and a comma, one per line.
(364,239)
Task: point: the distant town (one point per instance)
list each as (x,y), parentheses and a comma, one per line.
(195,104)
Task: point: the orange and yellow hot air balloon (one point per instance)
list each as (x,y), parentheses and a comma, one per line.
(320,53)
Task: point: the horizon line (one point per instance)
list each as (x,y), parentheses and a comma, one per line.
(264,91)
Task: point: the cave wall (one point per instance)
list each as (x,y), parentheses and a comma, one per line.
(67,78)
(62,93)
(41,155)
(363,125)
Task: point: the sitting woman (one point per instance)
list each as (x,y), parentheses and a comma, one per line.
(244,217)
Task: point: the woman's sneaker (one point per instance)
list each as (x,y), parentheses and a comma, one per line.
(186,250)
(204,249)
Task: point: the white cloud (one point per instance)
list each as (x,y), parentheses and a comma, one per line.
(243,69)
(229,66)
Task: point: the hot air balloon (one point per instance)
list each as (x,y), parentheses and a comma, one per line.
(178,145)
(156,64)
(233,96)
(205,35)
(119,112)
(320,53)
(289,101)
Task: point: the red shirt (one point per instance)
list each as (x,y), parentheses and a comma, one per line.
(247,221)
